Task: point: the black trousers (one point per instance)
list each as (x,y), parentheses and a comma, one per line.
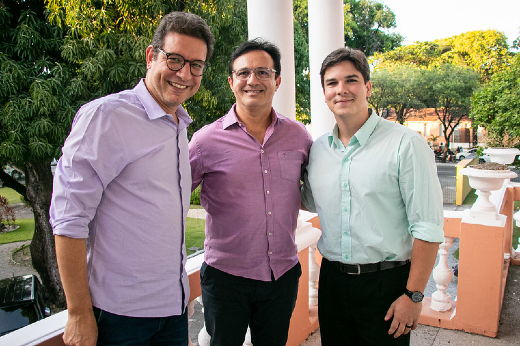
(351,308)
(231,303)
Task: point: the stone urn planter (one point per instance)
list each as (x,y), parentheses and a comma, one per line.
(485,178)
(503,156)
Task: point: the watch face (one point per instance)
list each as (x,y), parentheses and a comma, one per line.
(417,297)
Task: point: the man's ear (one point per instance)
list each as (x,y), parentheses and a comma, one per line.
(277,81)
(149,56)
(368,85)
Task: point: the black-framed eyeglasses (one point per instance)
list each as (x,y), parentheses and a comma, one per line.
(261,73)
(175,62)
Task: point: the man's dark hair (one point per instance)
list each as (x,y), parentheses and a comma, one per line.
(257,44)
(185,23)
(355,56)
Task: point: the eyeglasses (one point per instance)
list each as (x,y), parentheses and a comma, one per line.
(175,62)
(261,73)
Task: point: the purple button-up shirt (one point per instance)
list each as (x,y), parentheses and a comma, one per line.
(251,192)
(123,183)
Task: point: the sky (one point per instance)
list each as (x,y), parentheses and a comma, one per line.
(428,20)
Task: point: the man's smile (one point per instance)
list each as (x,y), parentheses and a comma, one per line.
(173,84)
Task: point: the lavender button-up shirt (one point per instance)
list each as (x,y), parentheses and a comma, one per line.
(251,192)
(123,183)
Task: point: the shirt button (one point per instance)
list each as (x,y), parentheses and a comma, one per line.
(262,151)
(344,184)
(268,213)
(270,233)
(265,171)
(346,256)
(270,252)
(267,192)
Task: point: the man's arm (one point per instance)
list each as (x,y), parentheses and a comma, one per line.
(81,327)
(403,310)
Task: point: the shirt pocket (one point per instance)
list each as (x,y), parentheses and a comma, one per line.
(291,164)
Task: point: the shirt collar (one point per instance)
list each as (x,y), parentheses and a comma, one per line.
(154,111)
(231,117)
(362,135)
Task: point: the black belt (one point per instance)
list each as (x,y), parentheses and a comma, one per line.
(357,269)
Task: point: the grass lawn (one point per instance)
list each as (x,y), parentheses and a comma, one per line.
(11,195)
(24,232)
(194,234)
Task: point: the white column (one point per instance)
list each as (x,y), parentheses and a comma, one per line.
(272,20)
(326,33)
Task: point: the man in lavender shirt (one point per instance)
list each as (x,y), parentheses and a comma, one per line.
(121,196)
(249,164)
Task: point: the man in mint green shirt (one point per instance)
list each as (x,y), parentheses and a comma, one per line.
(374,186)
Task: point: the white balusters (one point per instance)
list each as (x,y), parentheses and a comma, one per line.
(204,337)
(191,311)
(247,340)
(441,300)
(314,273)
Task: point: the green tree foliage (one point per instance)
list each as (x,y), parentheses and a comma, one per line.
(301,63)
(109,39)
(396,89)
(486,52)
(448,89)
(497,105)
(365,25)
(36,108)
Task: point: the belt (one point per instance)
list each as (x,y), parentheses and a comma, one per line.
(357,269)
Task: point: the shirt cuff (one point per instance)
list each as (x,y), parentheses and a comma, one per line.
(427,231)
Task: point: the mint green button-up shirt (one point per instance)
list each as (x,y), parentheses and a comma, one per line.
(375,195)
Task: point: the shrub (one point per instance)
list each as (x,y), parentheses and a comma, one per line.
(195,196)
(7,216)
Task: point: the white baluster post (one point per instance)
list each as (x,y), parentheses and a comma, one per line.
(314,273)
(204,337)
(441,300)
(191,311)
(247,340)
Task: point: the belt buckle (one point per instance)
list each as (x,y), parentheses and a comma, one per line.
(358,269)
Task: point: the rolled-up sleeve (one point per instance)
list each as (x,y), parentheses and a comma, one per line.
(93,155)
(421,190)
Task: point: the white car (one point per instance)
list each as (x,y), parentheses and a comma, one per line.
(13,172)
(468,154)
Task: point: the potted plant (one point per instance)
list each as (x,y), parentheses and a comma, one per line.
(484,178)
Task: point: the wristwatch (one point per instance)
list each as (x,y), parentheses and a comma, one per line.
(415,296)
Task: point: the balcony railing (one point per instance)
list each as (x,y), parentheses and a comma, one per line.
(485,253)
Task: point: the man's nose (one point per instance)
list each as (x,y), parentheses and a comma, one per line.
(185,72)
(252,77)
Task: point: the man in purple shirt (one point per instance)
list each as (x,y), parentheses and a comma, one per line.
(249,164)
(121,196)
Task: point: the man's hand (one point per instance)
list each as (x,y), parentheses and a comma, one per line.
(405,313)
(81,330)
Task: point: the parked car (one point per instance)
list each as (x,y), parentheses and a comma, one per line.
(468,154)
(13,172)
(21,303)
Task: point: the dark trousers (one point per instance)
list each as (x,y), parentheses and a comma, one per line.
(351,308)
(231,303)
(116,330)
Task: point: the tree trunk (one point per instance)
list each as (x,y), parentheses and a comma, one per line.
(38,180)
